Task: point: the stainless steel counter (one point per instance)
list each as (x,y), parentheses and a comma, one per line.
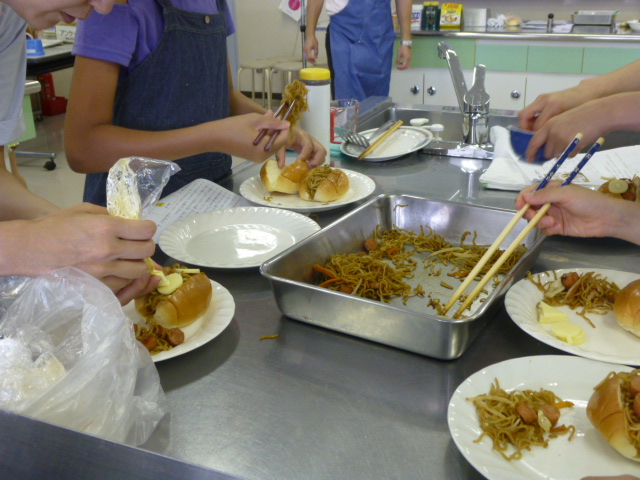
(317,404)
(579,33)
(314,403)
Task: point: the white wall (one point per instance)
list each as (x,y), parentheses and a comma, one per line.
(264,31)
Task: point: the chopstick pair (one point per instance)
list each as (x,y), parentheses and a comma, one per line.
(274,134)
(510,226)
(382,138)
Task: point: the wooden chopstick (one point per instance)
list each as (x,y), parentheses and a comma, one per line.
(384,136)
(264,131)
(510,226)
(530,226)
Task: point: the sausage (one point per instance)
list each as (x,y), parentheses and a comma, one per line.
(551,412)
(175,336)
(634,385)
(526,413)
(636,405)
(569,279)
(150,342)
(370,244)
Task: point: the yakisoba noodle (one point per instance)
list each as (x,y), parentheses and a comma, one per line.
(151,327)
(297,91)
(398,247)
(162,344)
(500,421)
(590,294)
(633,425)
(364,276)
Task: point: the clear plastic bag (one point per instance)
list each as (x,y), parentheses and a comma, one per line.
(134,184)
(68,356)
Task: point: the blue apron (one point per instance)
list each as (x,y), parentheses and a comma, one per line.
(361,43)
(182,83)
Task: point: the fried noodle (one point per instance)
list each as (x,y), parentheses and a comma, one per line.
(591,294)
(297,91)
(500,421)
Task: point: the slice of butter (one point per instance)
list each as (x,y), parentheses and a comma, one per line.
(549,315)
(174,282)
(569,332)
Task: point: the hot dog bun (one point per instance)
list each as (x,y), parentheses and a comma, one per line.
(626,307)
(284,180)
(606,411)
(324,184)
(180,308)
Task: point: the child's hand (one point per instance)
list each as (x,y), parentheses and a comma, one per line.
(307,147)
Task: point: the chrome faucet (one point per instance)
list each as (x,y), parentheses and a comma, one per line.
(474,102)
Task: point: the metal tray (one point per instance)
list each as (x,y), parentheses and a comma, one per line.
(593,17)
(415,327)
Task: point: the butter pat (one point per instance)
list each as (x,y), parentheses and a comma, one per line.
(569,332)
(174,282)
(549,315)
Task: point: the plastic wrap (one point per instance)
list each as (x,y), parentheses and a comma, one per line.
(68,356)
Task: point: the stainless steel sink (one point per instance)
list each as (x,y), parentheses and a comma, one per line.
(451,142)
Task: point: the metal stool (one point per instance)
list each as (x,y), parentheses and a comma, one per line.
(292,69)
(262,68)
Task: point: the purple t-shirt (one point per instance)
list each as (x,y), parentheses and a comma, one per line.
(129,33)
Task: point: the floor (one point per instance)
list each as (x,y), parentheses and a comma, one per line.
(61,185)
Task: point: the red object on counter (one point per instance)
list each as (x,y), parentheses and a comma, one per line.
(50,104)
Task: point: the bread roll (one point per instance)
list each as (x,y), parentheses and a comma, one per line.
(626,307)
(182,307)
(606,412)
(283,180)
(324,184)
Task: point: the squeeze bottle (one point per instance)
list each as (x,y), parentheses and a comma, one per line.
(317,121)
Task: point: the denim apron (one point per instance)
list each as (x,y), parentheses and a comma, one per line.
(182,83)
(361,43)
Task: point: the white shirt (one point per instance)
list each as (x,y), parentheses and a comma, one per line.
(334,6)
(13,74)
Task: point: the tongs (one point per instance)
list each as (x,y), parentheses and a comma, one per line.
(275,133)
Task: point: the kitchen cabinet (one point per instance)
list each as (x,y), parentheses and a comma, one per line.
(429,86)
(519,68)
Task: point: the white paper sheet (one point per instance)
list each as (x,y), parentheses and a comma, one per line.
(199,196)
(508,172)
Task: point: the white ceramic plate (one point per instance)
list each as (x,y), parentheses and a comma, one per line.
(239,237)
(253,190)
(571,378)
(403,141)
(608,342)
(211,324)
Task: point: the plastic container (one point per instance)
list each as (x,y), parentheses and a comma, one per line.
(416,17)
(317,121)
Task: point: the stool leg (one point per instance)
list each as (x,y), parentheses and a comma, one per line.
(253,85)
(267,75)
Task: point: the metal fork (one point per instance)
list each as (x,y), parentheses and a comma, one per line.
(359,139)
(353,137)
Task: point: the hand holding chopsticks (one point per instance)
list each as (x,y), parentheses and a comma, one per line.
(532,224)
(382,138)
(274,134)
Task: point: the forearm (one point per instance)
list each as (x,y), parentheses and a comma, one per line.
(624,79)
(101,146)
(624,221)
(314,7)
(403,11)
(13,254)
(620,112)
(16,202)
